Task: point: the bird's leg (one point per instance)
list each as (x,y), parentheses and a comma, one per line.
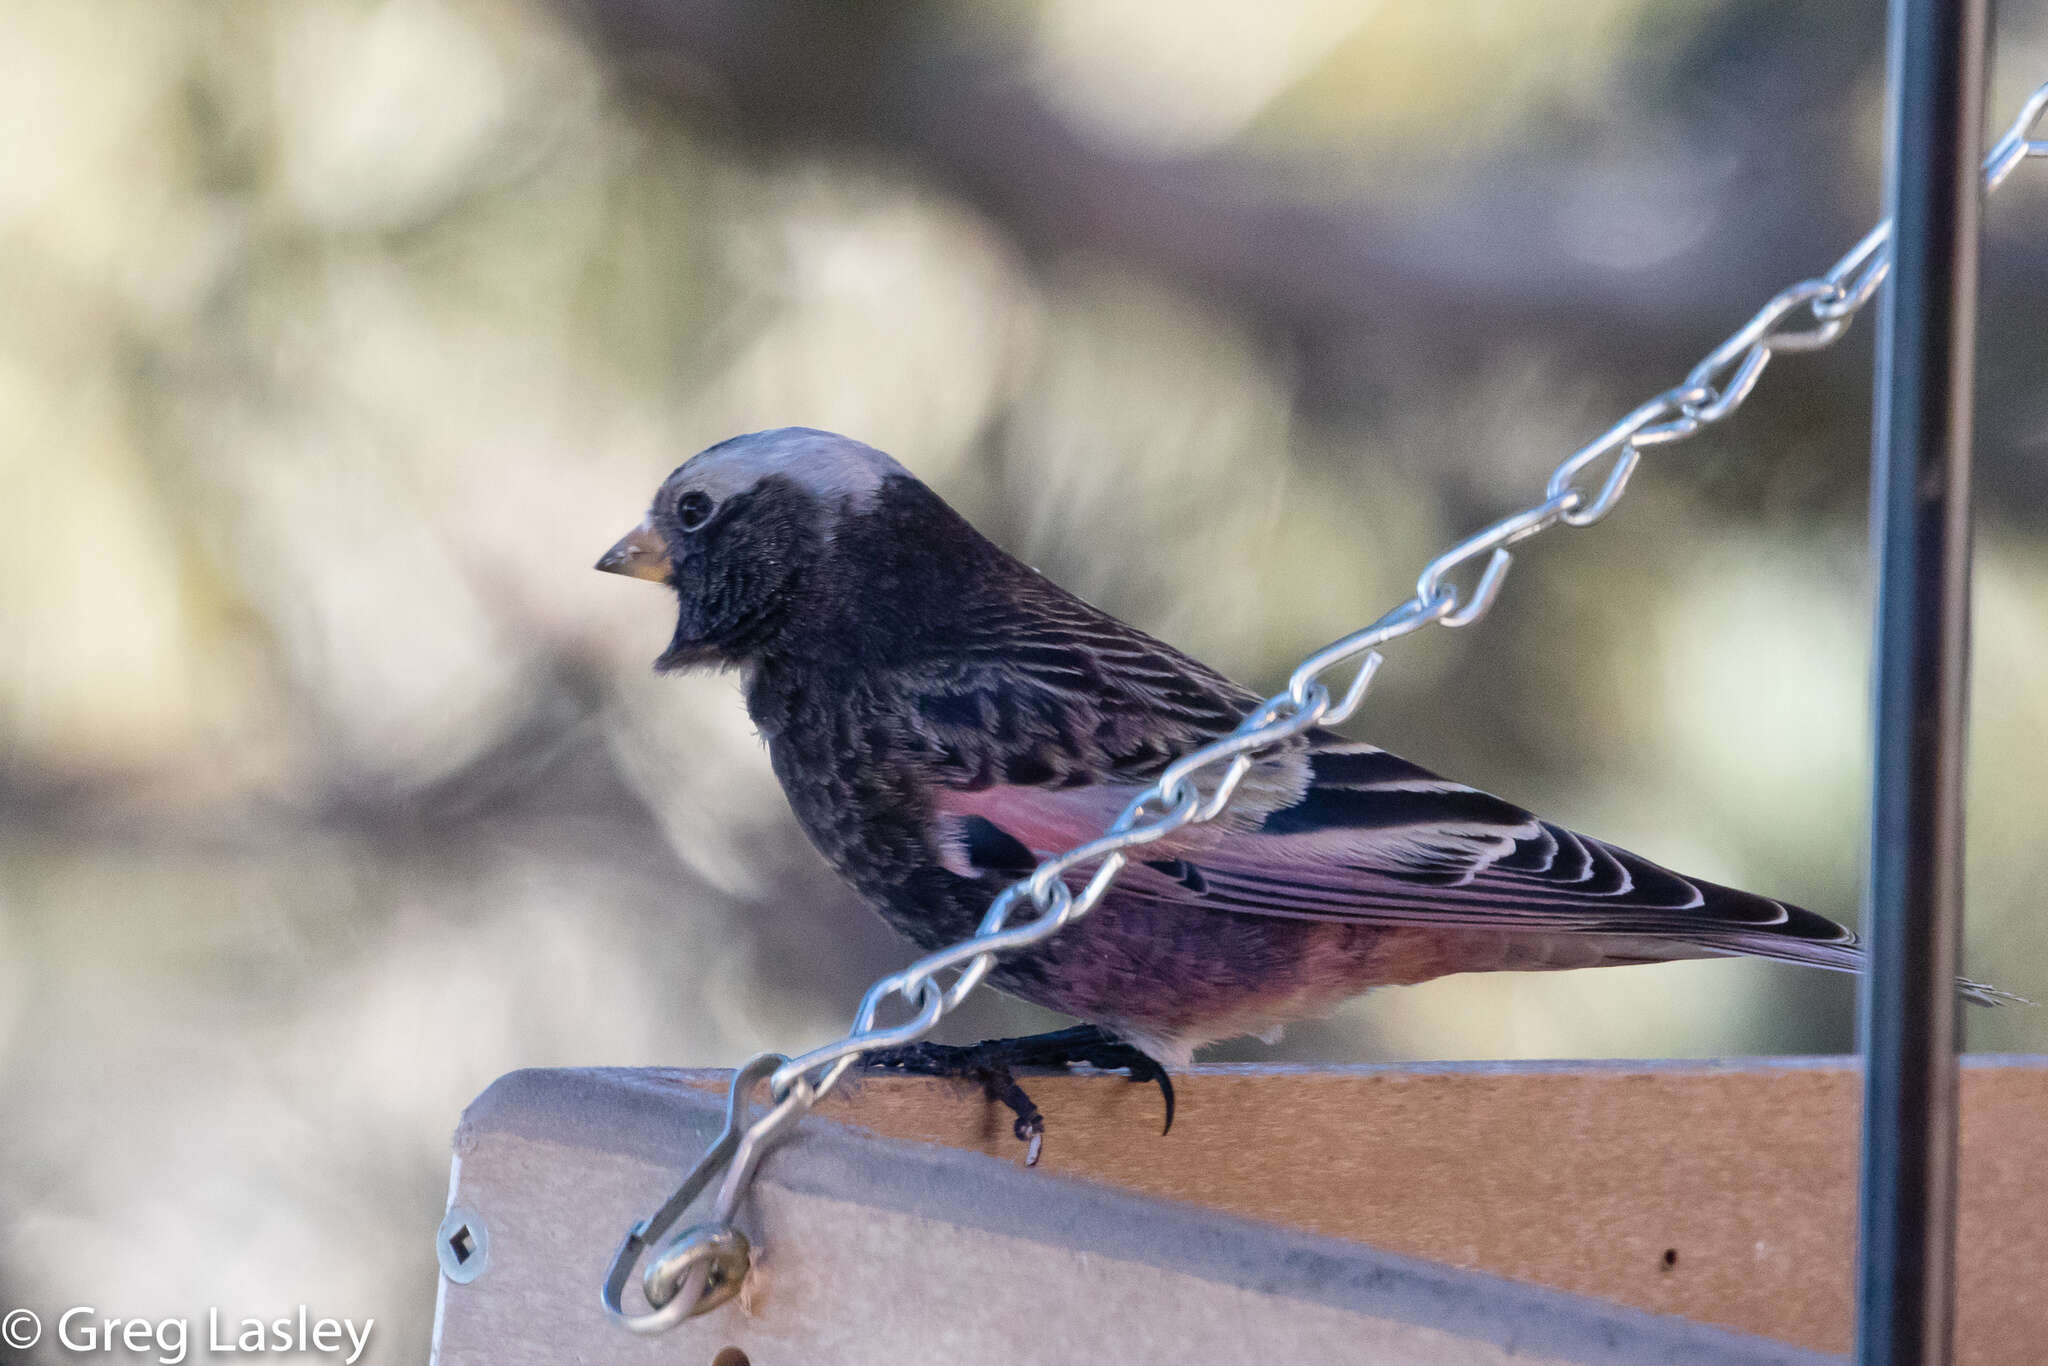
(979,1063)
(991,1064)
(1091,1046)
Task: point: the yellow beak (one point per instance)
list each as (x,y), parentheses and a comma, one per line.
(641,554)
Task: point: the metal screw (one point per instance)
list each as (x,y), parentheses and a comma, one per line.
(462,1245)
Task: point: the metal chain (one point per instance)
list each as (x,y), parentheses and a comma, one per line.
(702,1267)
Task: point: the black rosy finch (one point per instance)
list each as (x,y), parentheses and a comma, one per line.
(942,716)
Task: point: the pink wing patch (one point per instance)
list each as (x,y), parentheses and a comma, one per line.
(1045,820)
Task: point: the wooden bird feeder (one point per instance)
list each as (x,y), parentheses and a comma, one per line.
(1461,1213)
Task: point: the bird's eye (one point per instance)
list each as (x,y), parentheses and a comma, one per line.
(693,510)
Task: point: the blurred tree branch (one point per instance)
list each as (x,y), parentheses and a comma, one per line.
(1634,243)
(1503,253)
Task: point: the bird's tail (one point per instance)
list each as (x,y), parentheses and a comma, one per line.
(1984,994)
(1842,954)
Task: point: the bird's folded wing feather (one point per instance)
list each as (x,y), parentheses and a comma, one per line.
(1376,839)
(1047,723)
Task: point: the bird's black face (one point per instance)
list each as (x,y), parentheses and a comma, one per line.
(739,562)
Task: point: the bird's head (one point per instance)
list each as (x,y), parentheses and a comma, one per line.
(739,532)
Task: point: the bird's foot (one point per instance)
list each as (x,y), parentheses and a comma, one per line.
(991,1066)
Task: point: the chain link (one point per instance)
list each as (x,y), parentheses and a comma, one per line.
(702,1267)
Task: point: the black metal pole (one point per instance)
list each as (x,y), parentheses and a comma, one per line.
(1920,519)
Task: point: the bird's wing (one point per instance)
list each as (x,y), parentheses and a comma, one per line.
(1375,839)
(1043,726)
(1054,694)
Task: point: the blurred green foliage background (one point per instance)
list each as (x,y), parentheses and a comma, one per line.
(338,337)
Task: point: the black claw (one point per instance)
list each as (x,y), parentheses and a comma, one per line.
(1001,1085)
(1102,1050)
(984,1064)
(989,1065)
(1152,1071)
